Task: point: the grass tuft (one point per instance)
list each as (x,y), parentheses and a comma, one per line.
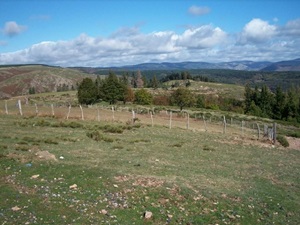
(283,141)
(98,136)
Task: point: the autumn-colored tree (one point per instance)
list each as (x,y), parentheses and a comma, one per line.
(128,95)
(139,80)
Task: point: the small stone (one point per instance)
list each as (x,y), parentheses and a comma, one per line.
(15,208)
(35,176)
(170,216)
(116,186)
(148,215)
(104,212)
(74,186)
(156,160)
(61,157)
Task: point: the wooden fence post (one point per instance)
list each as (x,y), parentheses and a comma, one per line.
(151,114)
(274,132)
(243,127)
(98,115)
(113,113)
(6,110)
(133,116)
(170,124)
(224,125)
(52,109)
(20,107)
(258,131)
(82,117)
(188,121)
(36,110)
(204,122)
(69,112)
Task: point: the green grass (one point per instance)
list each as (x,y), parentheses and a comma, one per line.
(182,177)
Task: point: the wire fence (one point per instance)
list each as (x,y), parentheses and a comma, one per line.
(195,121)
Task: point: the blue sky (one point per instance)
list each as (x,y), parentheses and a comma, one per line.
(122,32)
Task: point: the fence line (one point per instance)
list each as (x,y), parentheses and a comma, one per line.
(171,118)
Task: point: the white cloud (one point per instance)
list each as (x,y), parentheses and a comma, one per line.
(198,11)
(203,43)
(11,28)
(257,31)
(202,37)
(291,28)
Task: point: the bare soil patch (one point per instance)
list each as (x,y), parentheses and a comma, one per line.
(294,143)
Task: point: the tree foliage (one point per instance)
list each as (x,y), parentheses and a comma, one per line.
(183,97)
(143,97)
(111,89)
(87,93)
(279,105)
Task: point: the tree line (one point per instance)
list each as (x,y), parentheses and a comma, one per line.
(280,105)
(261,102)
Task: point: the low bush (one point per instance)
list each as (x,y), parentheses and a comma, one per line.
(283,141)
(98,136)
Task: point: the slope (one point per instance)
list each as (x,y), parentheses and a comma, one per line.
(17,80)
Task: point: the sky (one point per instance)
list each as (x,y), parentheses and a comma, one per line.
(104,33)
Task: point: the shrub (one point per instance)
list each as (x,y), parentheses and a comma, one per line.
(283,141)
(98,136)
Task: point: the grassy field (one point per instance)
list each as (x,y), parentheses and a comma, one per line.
(55,171)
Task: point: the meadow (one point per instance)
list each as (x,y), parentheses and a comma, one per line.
(112,171)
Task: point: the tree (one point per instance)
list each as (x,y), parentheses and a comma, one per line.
(183,97)
(98,86)
(143,97)
(128,95)
(87,92)
(200,103)
(266,101)
(290,109)
(279,103)
(154,82)
(139,81)
(112,90)
(31,90)
(248,98)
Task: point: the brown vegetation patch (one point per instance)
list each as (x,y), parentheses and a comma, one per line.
(46,155)
(148,182)
(294,143)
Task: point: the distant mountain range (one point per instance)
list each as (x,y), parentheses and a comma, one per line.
(290,65)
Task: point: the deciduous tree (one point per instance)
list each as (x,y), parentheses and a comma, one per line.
(183,97)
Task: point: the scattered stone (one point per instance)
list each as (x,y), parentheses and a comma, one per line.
(104,212)
(74,186)
(148,215)
(116,186)
(35,176)
(15,208)
(156,160)
(61,157)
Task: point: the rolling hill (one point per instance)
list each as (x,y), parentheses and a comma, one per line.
(291,65)
(17,80)
(246,65)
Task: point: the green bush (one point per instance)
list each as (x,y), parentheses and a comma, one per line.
(283,141)
(98,136)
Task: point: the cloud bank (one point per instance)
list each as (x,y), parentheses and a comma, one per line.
(258,40)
